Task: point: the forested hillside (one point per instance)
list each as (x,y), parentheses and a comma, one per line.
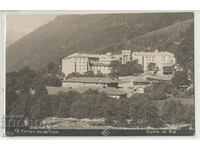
(100,33)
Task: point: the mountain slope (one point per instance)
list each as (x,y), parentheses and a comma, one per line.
(96,34)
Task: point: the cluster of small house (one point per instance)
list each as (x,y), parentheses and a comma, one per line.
(115,88)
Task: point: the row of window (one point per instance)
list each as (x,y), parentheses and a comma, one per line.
(99,68)
(80,58)
(149,60)
(159,56)
(79,66)
(80,69)
(81,62)
(149,56)
(93,68)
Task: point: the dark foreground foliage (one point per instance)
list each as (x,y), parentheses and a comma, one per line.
(136,111)
(92,104)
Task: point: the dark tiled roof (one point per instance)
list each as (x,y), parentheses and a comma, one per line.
(90,80)
(81,55)
(164,78)
(141,79)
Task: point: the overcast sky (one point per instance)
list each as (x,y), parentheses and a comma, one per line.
(20,25)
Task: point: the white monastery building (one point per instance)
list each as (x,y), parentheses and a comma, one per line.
(82,63)
(88,62)
(163,59)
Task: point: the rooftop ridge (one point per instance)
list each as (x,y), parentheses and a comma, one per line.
(91,80)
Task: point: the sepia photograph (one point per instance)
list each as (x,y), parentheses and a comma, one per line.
(100,74)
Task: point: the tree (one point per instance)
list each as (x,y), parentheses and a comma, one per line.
(80,109)
(185,51)
(40,90)
(40,109)
(91,104)
(11,80)
(122,112)
(25,80)
(110,112)
(51,80)
(74,74)
(115,65)
(190,91)
(157,91)
(175,112)
(11,97)
(180,78)
(52,68)
(89,74)
(19,98)
(99,74)
(189,115)
(64,102)
(130,68)
(151,66)
(144,113)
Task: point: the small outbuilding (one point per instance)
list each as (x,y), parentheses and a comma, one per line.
(139,84)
